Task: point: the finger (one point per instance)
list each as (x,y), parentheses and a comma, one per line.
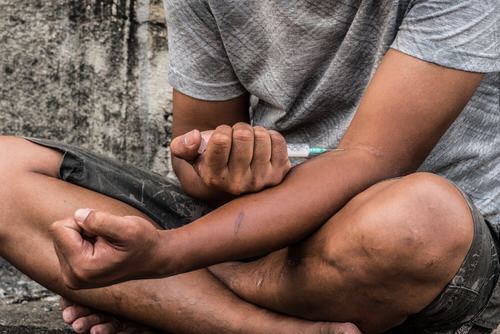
(279,153)
(218,149)
(103,224)
(186,146)
(262,150)
(74,312)
(241,149)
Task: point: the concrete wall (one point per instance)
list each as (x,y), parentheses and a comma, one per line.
(86,72)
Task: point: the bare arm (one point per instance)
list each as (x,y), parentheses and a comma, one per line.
(406,109)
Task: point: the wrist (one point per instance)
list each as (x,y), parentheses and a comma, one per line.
(164,261)
(171,256)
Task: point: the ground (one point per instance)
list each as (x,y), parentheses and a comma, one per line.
(26,307)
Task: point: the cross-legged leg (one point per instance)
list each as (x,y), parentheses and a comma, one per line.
(32,197)
(386,255)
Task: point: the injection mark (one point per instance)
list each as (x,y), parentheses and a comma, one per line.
(238,222)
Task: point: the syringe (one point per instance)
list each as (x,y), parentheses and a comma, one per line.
(294,150)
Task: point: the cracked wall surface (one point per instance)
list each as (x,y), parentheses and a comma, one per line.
(87,72)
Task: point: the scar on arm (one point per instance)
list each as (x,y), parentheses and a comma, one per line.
(238,222)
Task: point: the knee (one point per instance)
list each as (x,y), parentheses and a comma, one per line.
(419,224)
(19,155)
(10,150)
(9,161)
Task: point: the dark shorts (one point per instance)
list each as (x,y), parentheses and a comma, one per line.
(470,303)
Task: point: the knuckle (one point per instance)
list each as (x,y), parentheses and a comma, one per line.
(211,181)
(221,140)
(223,128)
(260,133)
(276,179)
(243,135)
(256,184)
(260,128)
(242,125)
(236,189)
(280,154)
(277,137)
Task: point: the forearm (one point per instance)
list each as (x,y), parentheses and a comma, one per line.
(274,218)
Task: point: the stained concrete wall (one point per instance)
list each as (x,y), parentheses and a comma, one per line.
(86,72)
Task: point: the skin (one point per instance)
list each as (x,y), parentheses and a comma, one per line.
(387,138)
(195,302)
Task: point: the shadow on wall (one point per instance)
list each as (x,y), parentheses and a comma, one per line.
(91,73)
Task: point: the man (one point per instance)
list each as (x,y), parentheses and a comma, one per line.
(394,86)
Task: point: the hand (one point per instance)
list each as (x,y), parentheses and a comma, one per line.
(97,249)
(238,159)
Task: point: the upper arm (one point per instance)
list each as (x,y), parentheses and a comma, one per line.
(426,79)
(407,107)
(190,113)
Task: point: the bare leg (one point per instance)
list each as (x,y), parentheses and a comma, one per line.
(31,198)
(384,256)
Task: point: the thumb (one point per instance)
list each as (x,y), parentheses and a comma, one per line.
(100,223)
(186,146)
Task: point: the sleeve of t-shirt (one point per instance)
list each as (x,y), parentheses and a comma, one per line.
(199,65)
(460,34)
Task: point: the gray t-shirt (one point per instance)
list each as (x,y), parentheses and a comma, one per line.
(309,62)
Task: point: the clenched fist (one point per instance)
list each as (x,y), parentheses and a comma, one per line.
(238,159)
(97,249)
